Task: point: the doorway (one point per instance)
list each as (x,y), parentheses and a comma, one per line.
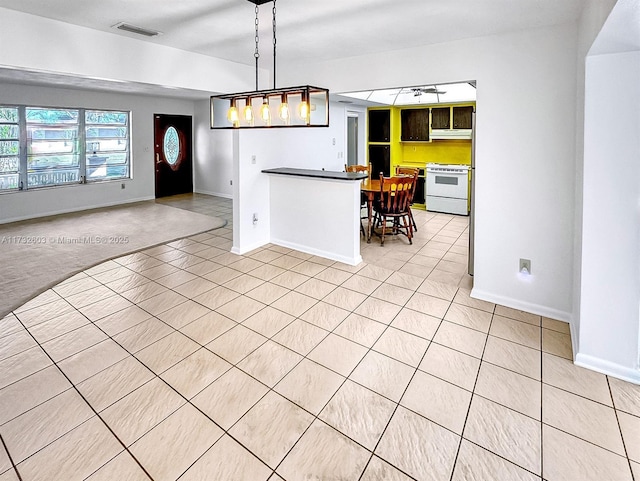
(352,138)
(173,154)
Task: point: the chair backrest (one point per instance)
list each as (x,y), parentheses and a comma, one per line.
(413,172)
(395,193)
(358,168)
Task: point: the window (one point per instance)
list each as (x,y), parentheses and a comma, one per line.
(107,141)
(9,148)
(52,147)
(42,147)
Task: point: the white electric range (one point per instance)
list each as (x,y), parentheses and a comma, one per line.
(447,188)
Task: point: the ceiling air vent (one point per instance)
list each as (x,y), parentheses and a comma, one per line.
(127,27)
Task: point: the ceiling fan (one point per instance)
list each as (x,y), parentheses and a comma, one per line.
(418,91)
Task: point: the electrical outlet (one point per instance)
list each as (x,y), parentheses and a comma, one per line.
(231,182)
(255,218)
(253,159)
(525,266)
(122,186)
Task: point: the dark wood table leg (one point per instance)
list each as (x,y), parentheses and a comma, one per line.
(369,213)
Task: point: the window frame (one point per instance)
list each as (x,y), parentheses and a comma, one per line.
(82,146)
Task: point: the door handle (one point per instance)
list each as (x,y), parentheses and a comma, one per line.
(157,158)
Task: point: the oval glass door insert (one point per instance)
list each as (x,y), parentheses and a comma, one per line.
(171,145)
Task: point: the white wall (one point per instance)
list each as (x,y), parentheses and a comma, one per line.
(90,53)
(213,155)
(309,148)
(609,327)
(525,149)
(591,20)
(47,201)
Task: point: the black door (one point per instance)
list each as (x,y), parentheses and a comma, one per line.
(174,165)
(380,160)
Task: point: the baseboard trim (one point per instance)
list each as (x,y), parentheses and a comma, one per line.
(76,209)
(522,305)
(609,368)
(575,340)
(352,261)
(243,250)
(216,194)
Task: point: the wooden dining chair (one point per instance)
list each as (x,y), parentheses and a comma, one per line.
(358,168)
(412,172)
(363,197)
(393,205)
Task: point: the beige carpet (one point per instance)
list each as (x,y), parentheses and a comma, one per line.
(37,254)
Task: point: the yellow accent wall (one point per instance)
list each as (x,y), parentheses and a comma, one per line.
(439,151)
(419,154)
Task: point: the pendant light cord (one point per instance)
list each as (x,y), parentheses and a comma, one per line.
(274,44)
(256,54)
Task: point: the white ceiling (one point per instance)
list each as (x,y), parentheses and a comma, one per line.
(306,29)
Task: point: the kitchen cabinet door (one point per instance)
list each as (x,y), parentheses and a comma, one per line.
(380,160)
(414,125)
(440,118)
(379,125)
(462,117)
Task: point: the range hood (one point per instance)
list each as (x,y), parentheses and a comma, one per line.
(450,134)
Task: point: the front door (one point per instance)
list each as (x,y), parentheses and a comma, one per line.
(174,166)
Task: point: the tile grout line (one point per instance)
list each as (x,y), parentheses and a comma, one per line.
(541,402)
(624,444)
(6,449)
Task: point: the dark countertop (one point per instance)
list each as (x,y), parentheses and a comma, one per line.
(318,174)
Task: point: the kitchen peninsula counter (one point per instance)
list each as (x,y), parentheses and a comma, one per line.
(316,211)
(318,174)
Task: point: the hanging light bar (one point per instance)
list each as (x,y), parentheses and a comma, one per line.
(310,105)
(303,106)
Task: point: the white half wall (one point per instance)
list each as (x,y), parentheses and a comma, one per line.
(525,149)
(307,148)
(48,201)
(296,222)
(609,336)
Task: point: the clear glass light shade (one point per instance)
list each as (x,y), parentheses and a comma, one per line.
(303,110)
(291,107)
(248,112)
(232,115)
(265,113)
(283,110)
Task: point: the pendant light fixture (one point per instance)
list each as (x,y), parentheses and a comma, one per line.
(309,104)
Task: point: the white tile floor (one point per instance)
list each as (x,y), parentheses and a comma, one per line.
(187,362)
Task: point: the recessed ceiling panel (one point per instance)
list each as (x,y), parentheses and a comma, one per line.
(418,95)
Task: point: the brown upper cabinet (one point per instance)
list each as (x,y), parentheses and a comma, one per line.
(441,118)
(414,125)
(462,117)
(379,125)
